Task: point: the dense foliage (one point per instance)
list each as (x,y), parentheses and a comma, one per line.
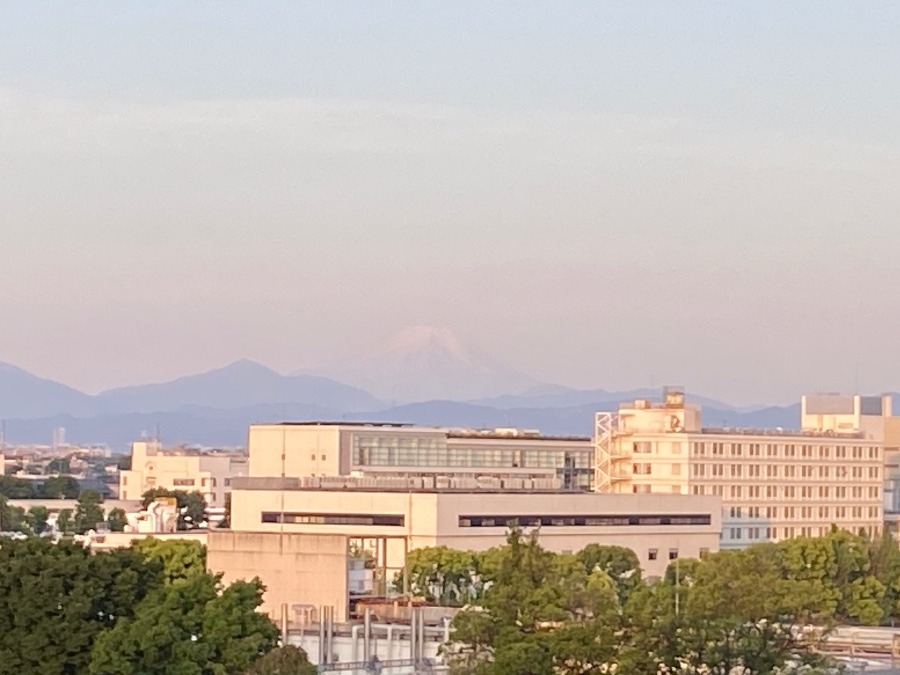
(532,612)
(286,660)
(151,608)
(191,506)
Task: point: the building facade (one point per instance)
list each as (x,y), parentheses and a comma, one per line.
(409,513)
(153,466)
(774,484)
(344,449)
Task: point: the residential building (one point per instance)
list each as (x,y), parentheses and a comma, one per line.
(299,449)
(207,472)
(774,484)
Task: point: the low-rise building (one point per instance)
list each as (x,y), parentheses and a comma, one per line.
(774,484)
(388,517)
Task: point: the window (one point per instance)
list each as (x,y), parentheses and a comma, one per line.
(334,519)
(673,553)
(598,520)
(676,469)
(183,482)
(652,554)
(642,469)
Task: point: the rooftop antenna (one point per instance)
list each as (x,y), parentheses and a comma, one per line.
(856,377)
(2,436)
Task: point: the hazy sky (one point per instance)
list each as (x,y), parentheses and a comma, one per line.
(601,194)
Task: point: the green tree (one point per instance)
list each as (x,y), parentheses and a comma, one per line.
(37,518)
(12,518)
(60,487)
(286,660)
(16,488)
(194,627)
(442,575)
(88,511)
(116,520)
(191,506)
(65,523)
(621,564)
(59,465)
(180,560)
(543,613)
(55,598)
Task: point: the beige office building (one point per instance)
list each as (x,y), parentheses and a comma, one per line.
(774,484)
(153,466)
(301,449)
(390,516)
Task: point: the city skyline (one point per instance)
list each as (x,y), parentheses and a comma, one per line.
(710,203)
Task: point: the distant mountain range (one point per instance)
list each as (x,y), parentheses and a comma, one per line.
(441,382)
(428,362)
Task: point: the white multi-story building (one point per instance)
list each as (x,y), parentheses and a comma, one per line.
(774,484)
(153,466)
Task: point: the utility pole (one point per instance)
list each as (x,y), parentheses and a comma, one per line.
(677,588)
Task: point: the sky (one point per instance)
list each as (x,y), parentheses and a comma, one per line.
(610,195)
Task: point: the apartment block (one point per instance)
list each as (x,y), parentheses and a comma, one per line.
(774,484)
(207,472)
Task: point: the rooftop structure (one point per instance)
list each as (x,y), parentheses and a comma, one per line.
(332,449)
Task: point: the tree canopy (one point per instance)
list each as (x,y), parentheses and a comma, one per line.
(191,627)
(56,598)
(285,660)
(88,511)
(540,613)
(180,560)
(151,608)
(191,506)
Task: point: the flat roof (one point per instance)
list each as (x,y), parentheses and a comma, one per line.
(450,432)
(783,433)
(499,435)
(341,423)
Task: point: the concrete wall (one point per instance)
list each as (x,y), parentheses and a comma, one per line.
(297,569)
(432,518)
(308,450)
(113,540)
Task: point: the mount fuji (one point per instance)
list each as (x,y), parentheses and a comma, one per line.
(429,362)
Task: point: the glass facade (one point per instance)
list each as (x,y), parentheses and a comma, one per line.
(572,465)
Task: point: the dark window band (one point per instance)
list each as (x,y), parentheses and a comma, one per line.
(333,519)
(584,521)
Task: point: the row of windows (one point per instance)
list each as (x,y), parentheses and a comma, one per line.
(787,491)
(334,519)
(786,450)
(777,471)
(368,453)
(804,512)
(584,521)
(758,533)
